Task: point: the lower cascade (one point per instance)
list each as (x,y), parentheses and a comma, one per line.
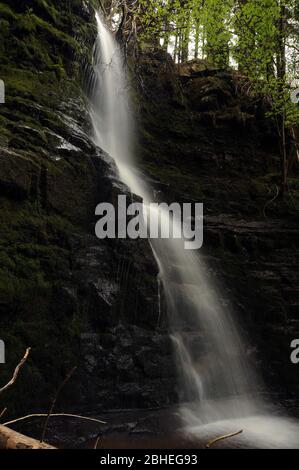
(218,386)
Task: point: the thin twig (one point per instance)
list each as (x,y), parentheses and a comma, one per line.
(226,436)
(16,372)
(3,412)
(270,202)
(63,383)
(54,415)
(97,441)
(103,8)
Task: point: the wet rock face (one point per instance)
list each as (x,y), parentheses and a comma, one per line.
(17,174)
(209,140)
(131,366)
(74,299)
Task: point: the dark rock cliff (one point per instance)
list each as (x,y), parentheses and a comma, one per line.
(74,299)
(204,137)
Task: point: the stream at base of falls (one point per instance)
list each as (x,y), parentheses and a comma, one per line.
(164,429)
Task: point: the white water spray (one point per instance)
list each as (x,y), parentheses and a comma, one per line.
(215,376)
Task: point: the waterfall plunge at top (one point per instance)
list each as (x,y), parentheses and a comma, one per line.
(110,109)
(212,365)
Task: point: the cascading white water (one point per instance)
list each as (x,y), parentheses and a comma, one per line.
(110,111)
(216,380)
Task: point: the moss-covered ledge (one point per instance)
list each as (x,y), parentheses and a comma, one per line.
(42,48)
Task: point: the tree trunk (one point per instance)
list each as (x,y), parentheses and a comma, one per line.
(185,40)
(197,37)
(281,75)
(180,46)
(166,34)
(284,162)
(176,42)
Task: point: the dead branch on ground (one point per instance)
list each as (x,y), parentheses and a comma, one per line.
(10,439)
(221,438)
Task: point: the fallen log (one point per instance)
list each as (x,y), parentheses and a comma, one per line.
(10,439)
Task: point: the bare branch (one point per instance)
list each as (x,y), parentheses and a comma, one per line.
(3,412)
(226,436)
(16,372)
(54,415)
(63,383)
(102,7)
(97,441)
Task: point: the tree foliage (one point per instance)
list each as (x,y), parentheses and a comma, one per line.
(258,38)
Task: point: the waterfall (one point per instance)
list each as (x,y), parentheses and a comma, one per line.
(216,381)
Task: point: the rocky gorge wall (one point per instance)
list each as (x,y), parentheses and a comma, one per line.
(204,137)
(74,299)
